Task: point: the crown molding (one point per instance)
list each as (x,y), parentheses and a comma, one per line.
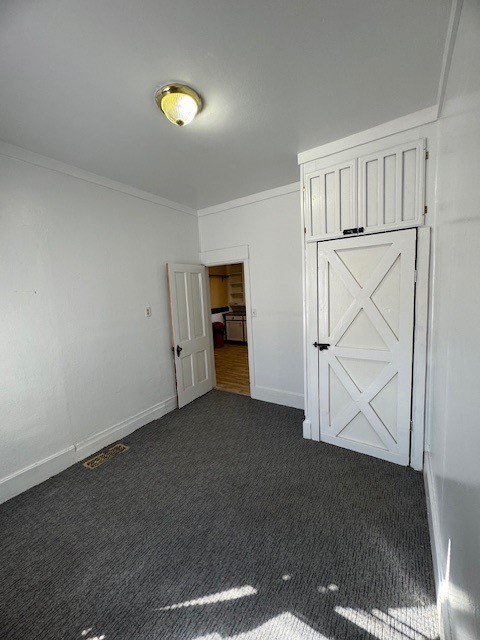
(24,155)
(410,121)
(255,197)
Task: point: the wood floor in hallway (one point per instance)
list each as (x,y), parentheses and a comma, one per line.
(231,366)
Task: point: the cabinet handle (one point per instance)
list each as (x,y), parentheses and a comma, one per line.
(349,232)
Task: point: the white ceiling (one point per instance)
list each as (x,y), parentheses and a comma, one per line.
(77,80)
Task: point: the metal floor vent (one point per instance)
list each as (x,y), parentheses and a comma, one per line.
(100,458)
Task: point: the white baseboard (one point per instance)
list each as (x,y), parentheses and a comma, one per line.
(38,472)
(97,441)
(307,429)
(433,522)
(285,398)
(439,562)
(35,473)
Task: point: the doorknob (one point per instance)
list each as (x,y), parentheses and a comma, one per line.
(322,346)
(179,348)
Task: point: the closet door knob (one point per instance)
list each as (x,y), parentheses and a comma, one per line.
(322,346)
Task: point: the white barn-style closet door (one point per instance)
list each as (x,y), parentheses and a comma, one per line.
(366,315)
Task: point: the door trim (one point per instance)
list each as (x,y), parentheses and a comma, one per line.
(237,255)
(311,425)
(420,340)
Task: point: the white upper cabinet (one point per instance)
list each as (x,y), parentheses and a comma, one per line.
(331,200)
(391,188)
(367,193)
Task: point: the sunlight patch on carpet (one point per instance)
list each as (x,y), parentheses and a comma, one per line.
(286,626)
(402,623)
(222,596)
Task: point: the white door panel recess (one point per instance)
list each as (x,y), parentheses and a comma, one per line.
(391,187)
(192,335)
(366,291)
(331,194)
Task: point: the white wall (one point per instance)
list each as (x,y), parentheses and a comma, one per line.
(453,464)
(270,224)
(78,264)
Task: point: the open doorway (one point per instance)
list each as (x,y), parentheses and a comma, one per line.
(229,326)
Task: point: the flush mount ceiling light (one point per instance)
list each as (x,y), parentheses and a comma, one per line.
(179,103)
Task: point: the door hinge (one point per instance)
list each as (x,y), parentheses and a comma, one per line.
(415,276)
(304,188)
(305,230)
(427,155)
(425,210)
(411,425)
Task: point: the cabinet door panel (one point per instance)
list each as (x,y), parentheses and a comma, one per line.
(348,214)
(391,187)
(409,169)
(371,192)
(331,200)
(235,330)
(389,181)
(329,203)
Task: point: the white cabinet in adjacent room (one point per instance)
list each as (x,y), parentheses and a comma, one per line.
(235,329)
(236,285)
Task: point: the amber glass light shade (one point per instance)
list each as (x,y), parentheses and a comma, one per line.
(179,103)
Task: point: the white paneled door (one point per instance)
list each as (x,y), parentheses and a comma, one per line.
(366,288)
(192,334)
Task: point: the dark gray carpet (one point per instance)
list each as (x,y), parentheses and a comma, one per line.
(291,539)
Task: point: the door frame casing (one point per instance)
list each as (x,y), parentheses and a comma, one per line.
(311,424)
(420,341)
(237,255)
